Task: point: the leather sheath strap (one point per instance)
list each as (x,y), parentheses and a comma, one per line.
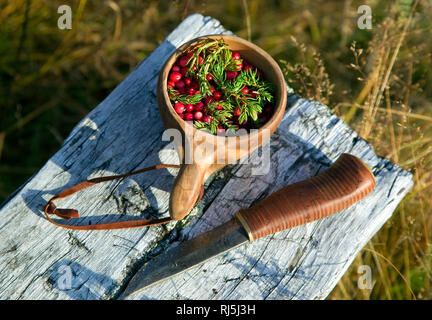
(68,214)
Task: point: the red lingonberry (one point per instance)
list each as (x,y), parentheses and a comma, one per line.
(208,100)
(219,107)
(180,84)
(171,84)
(179,107)
(207,119)
(198,115)
(188,80)
(190,91)
(217,95)
(175,76)
(247,67)
(235,55)
(189,107)
(183,61)
(200,60)
(188,116)
(175,69)
(199,106)
(237,112)
(181,115)
(212,89)
(209,77)
(245,90)
(230,75)
(183,70)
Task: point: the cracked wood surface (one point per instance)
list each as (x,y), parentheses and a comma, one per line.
(41,261)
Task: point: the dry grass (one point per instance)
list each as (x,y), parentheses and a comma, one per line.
(381,110)
(377,80)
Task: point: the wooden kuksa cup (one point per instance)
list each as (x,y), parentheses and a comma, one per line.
(202,153)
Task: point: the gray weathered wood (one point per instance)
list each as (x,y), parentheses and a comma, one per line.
(124,133)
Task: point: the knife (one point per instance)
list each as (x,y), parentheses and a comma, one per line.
(344,183)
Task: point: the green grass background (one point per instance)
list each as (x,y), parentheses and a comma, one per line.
(377,80)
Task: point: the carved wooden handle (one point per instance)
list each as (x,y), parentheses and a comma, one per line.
(336,188)
(186,190)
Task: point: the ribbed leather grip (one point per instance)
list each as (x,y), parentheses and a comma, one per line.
(347,181)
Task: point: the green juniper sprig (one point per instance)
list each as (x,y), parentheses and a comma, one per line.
(251,104)
(243,90)
(183,98)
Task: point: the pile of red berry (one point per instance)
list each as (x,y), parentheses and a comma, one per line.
(217,96)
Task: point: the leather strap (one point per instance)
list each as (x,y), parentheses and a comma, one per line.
(68,214)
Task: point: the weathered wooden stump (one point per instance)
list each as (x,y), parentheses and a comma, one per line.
(41,261)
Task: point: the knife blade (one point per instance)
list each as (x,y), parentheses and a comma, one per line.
(187,254)
(344,183)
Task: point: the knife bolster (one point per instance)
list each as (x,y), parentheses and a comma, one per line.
(243,223)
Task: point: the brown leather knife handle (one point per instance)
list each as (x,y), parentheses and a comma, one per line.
(345,182)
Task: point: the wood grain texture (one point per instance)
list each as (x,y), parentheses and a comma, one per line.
(125,133)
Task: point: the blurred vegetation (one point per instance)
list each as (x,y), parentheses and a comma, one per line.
(377,80)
